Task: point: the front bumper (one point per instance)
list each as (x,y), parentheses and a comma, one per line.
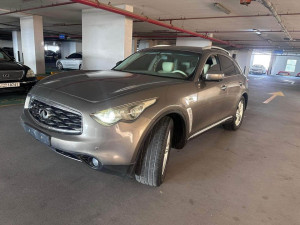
(114,147)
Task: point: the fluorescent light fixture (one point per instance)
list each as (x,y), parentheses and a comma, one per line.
(222,8)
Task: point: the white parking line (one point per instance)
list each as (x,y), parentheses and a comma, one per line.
(289,81)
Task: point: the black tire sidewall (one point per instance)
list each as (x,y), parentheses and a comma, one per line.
(170,127)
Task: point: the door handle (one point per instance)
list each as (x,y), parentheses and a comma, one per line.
(224,87)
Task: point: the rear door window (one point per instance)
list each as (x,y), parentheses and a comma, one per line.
(227,65)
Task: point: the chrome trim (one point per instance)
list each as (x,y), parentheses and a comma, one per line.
(211,126)
(55,150)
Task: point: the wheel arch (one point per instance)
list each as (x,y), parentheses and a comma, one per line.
(245,95)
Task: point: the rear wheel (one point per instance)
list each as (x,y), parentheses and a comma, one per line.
(153,163)
(238,117)
(60,66)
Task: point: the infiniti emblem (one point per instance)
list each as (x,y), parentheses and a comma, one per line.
(6,75)
(45,114)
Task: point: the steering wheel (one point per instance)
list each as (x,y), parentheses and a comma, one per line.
(181,72)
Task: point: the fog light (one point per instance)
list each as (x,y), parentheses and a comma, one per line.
(95,162)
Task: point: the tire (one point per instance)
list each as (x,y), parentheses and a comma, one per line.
(238,118)
(60,66)
(154,158)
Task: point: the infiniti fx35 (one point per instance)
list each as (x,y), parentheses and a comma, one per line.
(127,119)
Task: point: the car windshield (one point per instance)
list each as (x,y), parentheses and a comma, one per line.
(163,63)
(4,56)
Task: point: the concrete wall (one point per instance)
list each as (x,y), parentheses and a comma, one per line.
(67,48)
(280,64)
(6,43)
(243,58)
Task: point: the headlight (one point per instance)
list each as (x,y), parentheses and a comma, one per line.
(30,73)
(126,112)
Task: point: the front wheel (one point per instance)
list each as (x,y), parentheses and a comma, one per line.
(238,117)
(60,66)
(151,169)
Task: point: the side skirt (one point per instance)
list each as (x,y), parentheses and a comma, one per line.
(209,127)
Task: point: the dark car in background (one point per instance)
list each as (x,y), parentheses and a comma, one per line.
(51,56)
(9,51)
(127,119)
(14,76)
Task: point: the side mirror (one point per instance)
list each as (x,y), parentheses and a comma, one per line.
(214,76)
(118,63)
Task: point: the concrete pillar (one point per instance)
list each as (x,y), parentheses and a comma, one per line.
(33,43)
(134,45)
(152,43)
(17,45)
(143,44)
(67,48)
(272,61)
(193,41)
(243,57)
(107,38)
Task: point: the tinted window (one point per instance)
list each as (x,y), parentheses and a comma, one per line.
(228,66)
(75,56)
(3,56)
(237,69)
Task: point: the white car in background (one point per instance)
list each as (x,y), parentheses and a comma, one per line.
(73,61)
(258,69)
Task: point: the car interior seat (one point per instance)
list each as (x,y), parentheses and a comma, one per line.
(167,67)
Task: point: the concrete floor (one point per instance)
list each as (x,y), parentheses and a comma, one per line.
(251,176)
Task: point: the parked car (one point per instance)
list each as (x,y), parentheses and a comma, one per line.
(258,69)
(127,119)
(51,56)
(73,61)
(9,51)
(14,76)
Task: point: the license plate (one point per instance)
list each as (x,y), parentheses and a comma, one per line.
(8,85)
(44,138)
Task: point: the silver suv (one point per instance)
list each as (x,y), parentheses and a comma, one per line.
(127,119)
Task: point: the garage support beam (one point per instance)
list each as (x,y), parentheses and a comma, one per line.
(33,43)
(17,45)
(69,47)
(107,38)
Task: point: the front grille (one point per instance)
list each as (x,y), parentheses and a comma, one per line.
(11,75)
(55,118)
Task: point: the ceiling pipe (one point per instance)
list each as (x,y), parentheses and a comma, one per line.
(225,17)
(268,4)
(148,20)
(34,8)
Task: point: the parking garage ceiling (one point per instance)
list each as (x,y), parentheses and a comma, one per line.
(240,26)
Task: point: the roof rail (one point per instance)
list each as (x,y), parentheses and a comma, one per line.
(217,48)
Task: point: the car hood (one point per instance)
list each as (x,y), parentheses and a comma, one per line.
(10,65)
(96,86)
